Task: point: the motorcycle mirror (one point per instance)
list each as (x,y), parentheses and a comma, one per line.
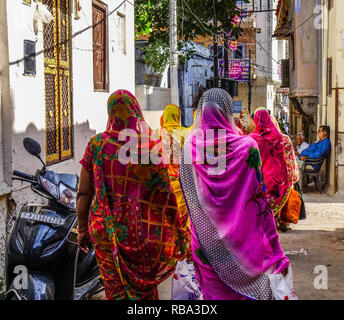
(33,147)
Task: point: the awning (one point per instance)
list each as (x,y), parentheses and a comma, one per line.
(283,28)
(283,32)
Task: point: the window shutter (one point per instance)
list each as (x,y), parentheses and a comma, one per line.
(99,47)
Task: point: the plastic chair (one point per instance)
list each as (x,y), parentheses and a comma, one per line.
(313,172)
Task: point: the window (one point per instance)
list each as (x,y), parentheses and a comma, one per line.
(239,53)
(100,46)
(121,32)
(29,57)
(329,76)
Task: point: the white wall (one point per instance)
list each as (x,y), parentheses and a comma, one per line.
(89,107)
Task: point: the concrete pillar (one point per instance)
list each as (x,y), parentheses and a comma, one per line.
(6,118)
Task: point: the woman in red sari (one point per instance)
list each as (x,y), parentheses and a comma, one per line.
(133,221)
(271,147)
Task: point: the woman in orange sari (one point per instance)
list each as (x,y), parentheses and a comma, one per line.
(293,169)
(133,221)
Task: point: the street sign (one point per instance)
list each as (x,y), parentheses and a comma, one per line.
(238,69)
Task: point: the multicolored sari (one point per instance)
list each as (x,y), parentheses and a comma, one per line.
(234,238)
(289,154)
(134,222)
(246,122)
(272,151)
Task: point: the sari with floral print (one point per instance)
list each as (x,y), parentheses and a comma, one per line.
(289,153)
(134,222)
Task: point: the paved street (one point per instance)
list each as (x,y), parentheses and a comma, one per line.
(321,235)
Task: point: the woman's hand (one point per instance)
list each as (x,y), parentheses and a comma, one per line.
(285,272)
(83,240)
(83,204)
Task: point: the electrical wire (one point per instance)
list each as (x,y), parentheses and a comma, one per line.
(254,37)
(223,39)
(73,35)
(299,26)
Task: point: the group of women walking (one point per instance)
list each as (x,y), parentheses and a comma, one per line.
(143,218)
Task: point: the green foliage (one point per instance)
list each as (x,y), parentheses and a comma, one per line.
(195,18)
(156,56)
(185,54)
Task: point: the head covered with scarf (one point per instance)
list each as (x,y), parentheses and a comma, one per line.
(171,118)
(135,210)
(228,206)
(271,146)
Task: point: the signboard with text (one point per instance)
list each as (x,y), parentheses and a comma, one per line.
(238,69)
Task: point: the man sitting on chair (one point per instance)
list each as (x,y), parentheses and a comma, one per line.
(320,148)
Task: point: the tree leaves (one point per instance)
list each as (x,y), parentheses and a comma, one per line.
(194,18)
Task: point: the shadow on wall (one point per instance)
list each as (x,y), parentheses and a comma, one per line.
(23,161)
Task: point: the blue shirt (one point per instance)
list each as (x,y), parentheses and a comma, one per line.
(317,150)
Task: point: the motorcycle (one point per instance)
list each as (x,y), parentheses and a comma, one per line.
(43,261)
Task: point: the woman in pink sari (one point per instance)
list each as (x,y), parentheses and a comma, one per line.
(234,241)
(271,146)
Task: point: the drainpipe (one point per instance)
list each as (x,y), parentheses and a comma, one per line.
(320,63)
(324,62)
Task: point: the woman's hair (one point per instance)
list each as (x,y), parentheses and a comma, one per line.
(196,100)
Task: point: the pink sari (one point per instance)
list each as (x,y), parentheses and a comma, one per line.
(271,146)
(234,238)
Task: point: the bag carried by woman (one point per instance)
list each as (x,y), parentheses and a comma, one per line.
(291,211)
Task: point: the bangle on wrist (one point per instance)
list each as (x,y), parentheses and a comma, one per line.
(81,229)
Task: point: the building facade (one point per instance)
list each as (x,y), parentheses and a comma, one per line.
(55,81)
(295,23)
(331,110)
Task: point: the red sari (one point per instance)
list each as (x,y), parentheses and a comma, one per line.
(134,222)
(271,147)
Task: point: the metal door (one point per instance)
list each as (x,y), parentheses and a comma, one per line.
(56,38)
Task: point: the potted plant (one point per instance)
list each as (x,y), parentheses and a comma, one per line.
(156,57)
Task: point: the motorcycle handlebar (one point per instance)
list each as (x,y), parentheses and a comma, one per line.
(23,175)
